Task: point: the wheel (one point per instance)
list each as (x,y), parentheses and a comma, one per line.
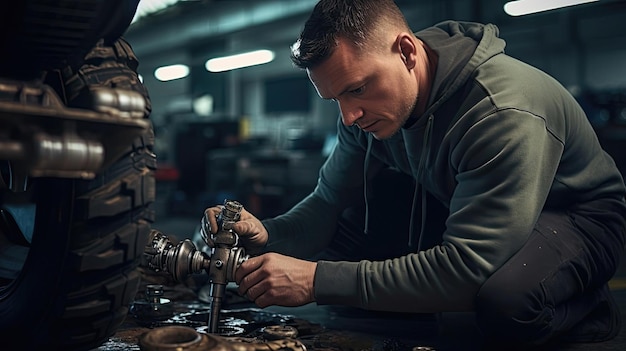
(69,282)
(70,249)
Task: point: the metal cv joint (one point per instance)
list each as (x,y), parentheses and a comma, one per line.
(179,260)
(184,258)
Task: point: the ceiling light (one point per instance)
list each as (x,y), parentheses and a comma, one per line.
(147,7)
(525,7)
(171,72)
(227,63)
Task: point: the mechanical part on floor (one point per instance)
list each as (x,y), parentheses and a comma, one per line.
(275,332)
(153,307)
(175,338)
(184,258)
(180,338)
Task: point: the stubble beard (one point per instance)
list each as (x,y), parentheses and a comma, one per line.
(406,114)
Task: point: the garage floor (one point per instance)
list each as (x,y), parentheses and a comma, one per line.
(331,328)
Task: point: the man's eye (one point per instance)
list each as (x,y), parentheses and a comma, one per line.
(358,90)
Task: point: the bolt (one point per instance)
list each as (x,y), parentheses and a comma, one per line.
(219,263)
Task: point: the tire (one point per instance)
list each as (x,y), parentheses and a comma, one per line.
(70,249)
(81,269)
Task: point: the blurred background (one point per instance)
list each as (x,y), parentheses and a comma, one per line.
(260,133)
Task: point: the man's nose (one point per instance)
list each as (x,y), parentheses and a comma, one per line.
(350,114)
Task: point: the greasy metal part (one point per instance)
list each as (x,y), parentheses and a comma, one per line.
(11,150)
(217,293)
(226,257)
(181,338)
(176,338)
(44,155)
(154,295)
(184,258)
(65,156)
(275,332)
(179,260)
(116,102)
(44,138)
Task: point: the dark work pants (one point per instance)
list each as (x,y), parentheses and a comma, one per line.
(556,285)
(549,289)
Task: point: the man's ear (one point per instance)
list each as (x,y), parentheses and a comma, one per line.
(407,49)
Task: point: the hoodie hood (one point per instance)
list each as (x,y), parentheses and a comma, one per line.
(461,47)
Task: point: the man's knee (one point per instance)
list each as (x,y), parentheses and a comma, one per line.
(508,310)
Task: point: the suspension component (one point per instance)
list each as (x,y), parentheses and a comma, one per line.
(42,137)
(178,260)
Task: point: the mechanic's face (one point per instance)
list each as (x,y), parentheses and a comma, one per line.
(376,90)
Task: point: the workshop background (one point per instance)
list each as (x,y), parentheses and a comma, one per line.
(259,134)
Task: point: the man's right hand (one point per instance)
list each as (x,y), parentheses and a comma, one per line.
(251,231)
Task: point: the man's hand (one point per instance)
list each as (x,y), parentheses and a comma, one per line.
(274,279)
(251,231)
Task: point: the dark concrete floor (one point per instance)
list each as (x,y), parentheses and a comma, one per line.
(362,330)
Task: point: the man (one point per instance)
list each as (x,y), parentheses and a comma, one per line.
(516,213)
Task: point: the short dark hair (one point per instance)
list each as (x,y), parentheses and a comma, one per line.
(350,19)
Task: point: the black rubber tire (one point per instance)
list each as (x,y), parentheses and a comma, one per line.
(81,272)
(72,286)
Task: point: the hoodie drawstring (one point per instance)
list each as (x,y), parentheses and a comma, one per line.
(420,171)
(365,185)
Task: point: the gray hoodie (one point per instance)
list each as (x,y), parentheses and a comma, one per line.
(499,142)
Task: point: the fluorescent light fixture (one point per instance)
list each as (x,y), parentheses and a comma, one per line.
(227,63)
(525,7)
(171,72)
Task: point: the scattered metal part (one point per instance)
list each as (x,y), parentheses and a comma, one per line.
(176,338)
(154,307)
(225,330)
(221,263)
(275,332)
(154,295)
